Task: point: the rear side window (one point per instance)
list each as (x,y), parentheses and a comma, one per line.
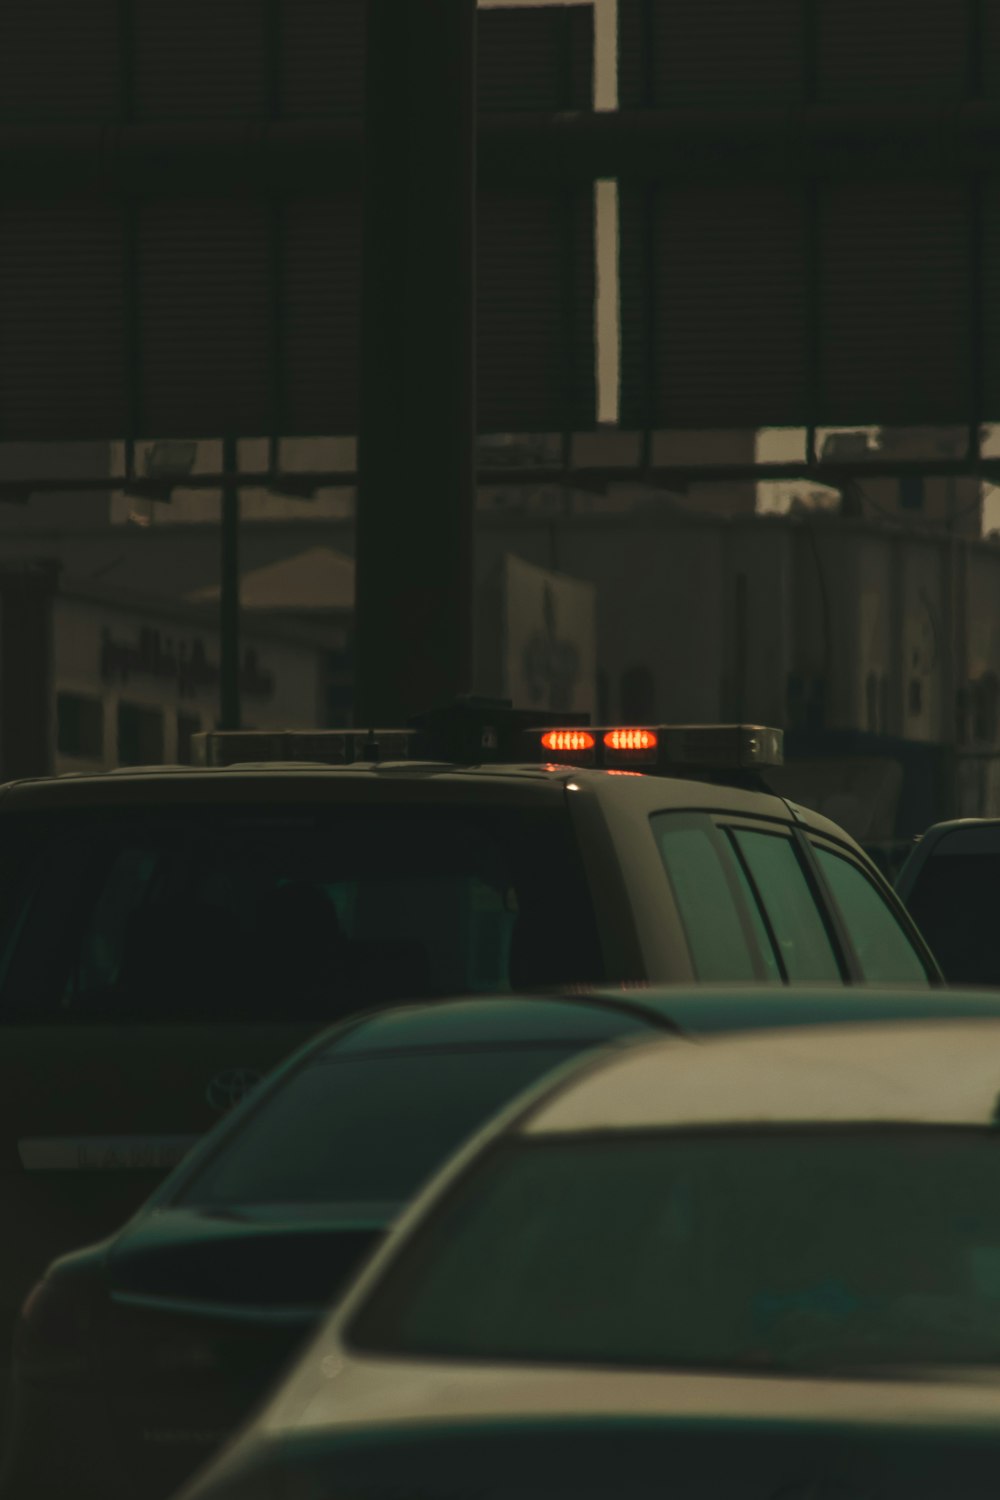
(884,951)
(410,1108)
(716,919)
(798,925)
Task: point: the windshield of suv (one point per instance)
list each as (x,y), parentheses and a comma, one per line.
(234,913)
(769,1251)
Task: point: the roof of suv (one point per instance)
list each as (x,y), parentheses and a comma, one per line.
(291,780)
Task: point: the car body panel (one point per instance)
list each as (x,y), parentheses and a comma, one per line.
(87,1136)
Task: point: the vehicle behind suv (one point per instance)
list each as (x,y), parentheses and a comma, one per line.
(951,885)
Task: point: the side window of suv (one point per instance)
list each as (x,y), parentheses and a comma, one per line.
(717,921)
(884,951)
(804,943)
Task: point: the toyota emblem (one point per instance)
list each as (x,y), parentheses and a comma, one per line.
(228,1088)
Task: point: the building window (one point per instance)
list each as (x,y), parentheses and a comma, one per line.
(188,725)
(911,492)
(636,695)
(986,711)
(140,735)
(871,697)
(79,726)
(603,697)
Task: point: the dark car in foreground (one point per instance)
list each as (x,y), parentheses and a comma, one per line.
(145,1351)
(764,1265)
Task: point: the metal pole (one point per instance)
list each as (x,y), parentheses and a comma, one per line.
(416,451)
(229,594)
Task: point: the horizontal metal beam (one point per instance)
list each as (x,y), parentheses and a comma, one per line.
(675,476)
(687,144)
(515,150)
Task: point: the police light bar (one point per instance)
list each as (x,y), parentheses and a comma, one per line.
(468,731)
(664,749)
(332,747)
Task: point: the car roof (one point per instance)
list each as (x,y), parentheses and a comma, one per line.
(944,1072)
(948,824)
(592,1014)
(152,786)
(487,1021)
(742,1007)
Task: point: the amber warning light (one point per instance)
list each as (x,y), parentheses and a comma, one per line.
(567,741)
(631,739)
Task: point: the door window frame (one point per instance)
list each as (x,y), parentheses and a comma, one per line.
(723,826)
(844,956)
(813,841)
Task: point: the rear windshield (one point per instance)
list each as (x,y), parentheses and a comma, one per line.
(230,914)
(954,903)
(367,1130)
(779,1250)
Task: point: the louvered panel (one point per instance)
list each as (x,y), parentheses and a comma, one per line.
(321,317)
(540,59)
(635,73)
(205,318)
(580,313)
(61,322)
(200,60)
(322,67)
(893,51)
(726,311)
(895,304)
(636,353)
(60,62)
(990,313)
(709,53)
(535,316)
(990,51)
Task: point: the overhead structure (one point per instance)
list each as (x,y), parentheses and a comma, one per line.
(181,242)
(810,216)
(810,213)
(809,238)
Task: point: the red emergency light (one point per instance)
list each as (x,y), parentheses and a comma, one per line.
(631,740)
(567,741)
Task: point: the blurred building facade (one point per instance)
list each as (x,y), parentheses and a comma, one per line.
(93,677)
(865,623)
